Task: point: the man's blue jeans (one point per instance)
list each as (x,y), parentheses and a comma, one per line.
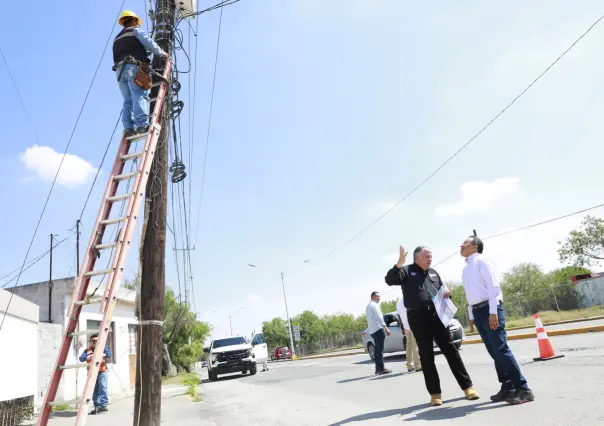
(135,111)
(378,338)
(100,397)
(496,341)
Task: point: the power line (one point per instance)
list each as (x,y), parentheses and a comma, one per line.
(205,159)
(523,228)
(61,164)
(464,146)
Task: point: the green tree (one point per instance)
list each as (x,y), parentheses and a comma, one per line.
(389,306)
(275,332)
(584,246)
(560,282)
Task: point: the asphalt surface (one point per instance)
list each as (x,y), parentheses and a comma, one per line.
(342,391)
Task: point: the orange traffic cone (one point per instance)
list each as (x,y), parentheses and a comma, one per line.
(546,350)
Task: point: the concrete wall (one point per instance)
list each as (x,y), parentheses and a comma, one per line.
(18,347)
(38,293)
(591,291)
(50,337)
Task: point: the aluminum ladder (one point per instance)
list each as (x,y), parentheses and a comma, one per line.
(118,253)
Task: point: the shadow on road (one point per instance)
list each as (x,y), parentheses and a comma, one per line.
(440,413)
(225,378)
(387,358)
(63,414)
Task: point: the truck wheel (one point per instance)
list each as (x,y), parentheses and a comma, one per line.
(212,375)
(254,370)
(371,350)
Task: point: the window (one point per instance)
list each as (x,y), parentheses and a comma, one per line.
(132,338)
(95,325)
(391,321)
(231,341)
(258,339)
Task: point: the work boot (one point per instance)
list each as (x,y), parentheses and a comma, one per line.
(471,394)
(418,369)
(410,370)
(384,371)
(520,397)
(94,411)
(503,394)
(102,409)
(128,133)
(142,130)
(436,400)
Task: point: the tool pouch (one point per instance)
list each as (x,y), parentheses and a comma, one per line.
(143,76)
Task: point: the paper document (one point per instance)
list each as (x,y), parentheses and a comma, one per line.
(444,307)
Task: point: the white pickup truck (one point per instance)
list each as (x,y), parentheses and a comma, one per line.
(235,354)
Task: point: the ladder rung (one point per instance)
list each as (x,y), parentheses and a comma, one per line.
(105,246)
(157,84)
(98,272)
(72,402)
(137,137)
(153,99)
(72,366)
(83,333)
(89,300)
(127,157)
(114,220)
(125,176)
(120,197)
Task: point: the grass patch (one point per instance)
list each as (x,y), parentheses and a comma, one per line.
(62,407)
(193,392)
(186,379)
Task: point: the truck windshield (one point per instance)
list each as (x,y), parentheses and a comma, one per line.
(228,342)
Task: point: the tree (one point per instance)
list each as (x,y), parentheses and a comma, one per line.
(585,246)
(389,306)
(559,280)
(132,284)
(275,332)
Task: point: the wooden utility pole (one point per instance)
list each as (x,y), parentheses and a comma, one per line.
(50,284)
(147,397)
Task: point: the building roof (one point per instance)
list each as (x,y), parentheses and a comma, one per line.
(19,307)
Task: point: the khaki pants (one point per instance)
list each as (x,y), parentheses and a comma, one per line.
(411,353)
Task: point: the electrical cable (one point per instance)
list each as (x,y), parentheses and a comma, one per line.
(456,153)
(61,164)
(205,159)
(523,228)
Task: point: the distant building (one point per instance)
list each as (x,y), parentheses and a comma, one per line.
(590,288)
(53,316)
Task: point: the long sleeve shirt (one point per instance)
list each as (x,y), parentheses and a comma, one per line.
(148,43)
(375,319)
(480,283)
(89,352)
(418,286)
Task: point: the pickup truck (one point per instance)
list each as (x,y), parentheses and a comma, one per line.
(397,342)
(235,354)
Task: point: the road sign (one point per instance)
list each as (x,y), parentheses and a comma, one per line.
(296,333)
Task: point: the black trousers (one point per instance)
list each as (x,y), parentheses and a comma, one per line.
(427,327)
(379,337)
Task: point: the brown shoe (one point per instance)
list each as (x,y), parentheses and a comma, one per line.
(436,400)
(471,394)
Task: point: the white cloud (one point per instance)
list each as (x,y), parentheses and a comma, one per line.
(44,162)
(255,298)
(479,196)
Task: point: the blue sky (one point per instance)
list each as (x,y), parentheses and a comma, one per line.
(325,114)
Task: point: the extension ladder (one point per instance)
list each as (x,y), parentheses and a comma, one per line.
(118,255)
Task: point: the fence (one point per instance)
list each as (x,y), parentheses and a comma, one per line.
(330,344)
(15,411)
(553,303)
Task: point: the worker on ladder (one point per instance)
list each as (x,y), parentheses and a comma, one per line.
(100,397)
(133,52)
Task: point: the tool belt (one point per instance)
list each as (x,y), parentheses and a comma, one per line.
(142,78)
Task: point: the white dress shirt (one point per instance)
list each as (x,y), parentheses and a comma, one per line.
(375,319)
(402,311)
(481,283)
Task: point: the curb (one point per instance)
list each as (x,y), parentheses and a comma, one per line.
(568,331)
(336,355)
(549,323)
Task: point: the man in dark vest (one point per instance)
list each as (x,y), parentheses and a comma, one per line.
(130,48)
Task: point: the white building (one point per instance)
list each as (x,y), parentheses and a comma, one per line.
(121,339)
(18,351)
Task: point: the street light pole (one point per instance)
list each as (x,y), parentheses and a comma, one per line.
(289,323)
(231,316)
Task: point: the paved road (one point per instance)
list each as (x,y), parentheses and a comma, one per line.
(342,391)
(558,327)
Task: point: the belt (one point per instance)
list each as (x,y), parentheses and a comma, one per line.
(482,305)
(423,308)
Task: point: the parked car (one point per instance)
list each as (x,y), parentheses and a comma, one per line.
(281,352)
(397,342)
(235,354)
(204,364)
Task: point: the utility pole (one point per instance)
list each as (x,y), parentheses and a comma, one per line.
(147,397)
(289,323)
(50,284)
(78,248)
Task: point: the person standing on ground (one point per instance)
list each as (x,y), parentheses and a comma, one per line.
(485,301)
(377,328)
(419,284)
(132,47)
(100,397)
(411,353)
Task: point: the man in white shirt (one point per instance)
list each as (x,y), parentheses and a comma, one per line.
(377,328)
(411,352)
(485,301)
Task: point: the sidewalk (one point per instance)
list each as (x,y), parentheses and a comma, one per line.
(177,409)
